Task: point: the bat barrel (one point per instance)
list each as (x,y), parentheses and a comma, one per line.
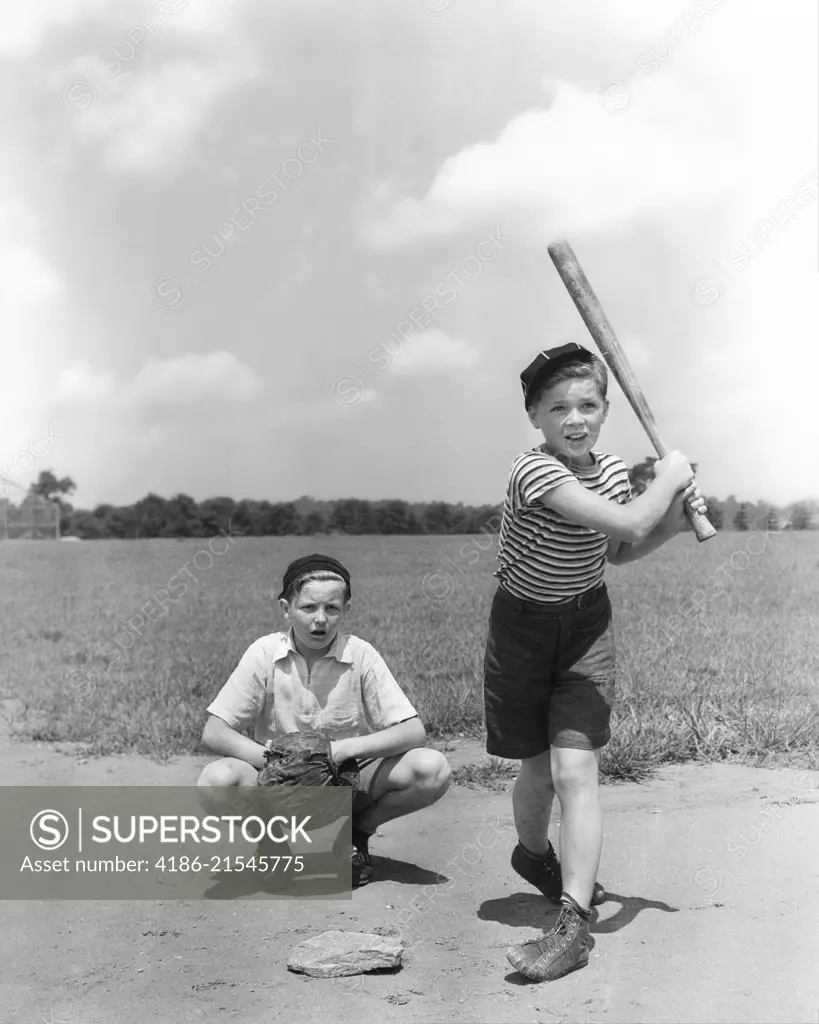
(588,305)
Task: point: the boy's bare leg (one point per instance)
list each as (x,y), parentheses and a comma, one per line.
(532,798)
(219,777)
(581,822)
(407,783)
(217,786)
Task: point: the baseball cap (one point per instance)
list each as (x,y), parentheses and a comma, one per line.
(546,362)
(309,563)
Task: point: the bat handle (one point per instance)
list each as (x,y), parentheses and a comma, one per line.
(702,527)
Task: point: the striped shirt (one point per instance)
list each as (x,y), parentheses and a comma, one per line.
(543,556)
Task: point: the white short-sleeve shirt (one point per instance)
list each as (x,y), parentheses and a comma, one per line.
(349,692)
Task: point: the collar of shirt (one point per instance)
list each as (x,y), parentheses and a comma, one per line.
(339,650)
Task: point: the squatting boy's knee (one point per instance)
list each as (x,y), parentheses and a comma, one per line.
(430,771)
(217,781)
(219,774)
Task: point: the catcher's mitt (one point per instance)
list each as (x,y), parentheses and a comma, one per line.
(303,759)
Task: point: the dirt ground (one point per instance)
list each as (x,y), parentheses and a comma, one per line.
(713,881)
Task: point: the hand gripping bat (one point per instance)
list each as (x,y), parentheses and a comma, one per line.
(588,305)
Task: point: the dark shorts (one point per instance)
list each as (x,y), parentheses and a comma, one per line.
(369,769)
(548,674)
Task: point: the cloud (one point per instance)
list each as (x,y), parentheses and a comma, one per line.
(25,26)
(192,378)
(571,169)
(28,26)
(148,76)
(147,120)
(85,383)
(434,351)
(31,290)
(180,380)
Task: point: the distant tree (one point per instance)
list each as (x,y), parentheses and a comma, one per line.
(771,518)
(487,518)
(801,518)
(283,520)
(641,474)
(216,514)
(183,518)
(393,517)
(460,519)
(245,518)
(439,517)
(741,517)
(354,516)
(152,515)
(48,486)
(264,518)
(123,522)
(314,522)
(85,524)
(715,513)
(66,512)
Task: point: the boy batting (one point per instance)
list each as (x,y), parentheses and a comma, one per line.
(550,658)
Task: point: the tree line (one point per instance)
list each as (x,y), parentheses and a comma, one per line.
(181,516)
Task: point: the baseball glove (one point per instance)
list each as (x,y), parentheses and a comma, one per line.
(304,759)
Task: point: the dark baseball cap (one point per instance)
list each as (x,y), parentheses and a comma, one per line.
(310,563)
(545,363)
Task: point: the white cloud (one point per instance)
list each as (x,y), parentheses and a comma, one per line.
(30,289)
(26,26)
(149,75)
(192,378)
(572,169)
(146,120)
(180,380)
(434,351)
(85,383)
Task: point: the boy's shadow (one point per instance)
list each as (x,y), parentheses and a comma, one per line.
(235,885)
(387,869)
(525,910)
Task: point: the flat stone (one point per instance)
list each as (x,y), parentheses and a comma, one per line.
(340,954)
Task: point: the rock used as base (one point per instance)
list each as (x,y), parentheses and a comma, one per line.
(340,954)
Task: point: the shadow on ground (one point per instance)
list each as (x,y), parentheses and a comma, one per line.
(524,910)
(239,884)
(387,869)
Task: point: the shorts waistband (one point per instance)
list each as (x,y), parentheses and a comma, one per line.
(588,597)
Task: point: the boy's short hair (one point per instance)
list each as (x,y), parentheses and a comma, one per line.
(315,576)
(576,369)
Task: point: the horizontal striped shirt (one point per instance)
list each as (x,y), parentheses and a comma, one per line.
(543,556)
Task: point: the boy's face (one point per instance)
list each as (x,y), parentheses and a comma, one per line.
(570,414)
(316,613)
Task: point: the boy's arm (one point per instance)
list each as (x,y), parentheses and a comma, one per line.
(396,727)
(219,737)
(621,552)
(237,706)
(633,522)
(395,739)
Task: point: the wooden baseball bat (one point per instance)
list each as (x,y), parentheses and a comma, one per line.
(588,305)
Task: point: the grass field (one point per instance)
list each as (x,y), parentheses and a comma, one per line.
(718,652)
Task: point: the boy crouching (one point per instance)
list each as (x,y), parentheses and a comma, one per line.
(315,677)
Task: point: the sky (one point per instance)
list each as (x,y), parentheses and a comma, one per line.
(270,250)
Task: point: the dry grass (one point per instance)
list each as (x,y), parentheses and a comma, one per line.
(737,681)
